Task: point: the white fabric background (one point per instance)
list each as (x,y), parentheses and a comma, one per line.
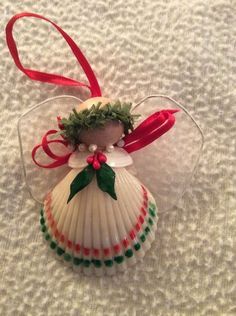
(185,49)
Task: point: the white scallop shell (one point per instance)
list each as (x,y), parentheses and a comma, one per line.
(96,233)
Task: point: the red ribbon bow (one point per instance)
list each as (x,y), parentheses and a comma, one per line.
(58,160)
(149,130)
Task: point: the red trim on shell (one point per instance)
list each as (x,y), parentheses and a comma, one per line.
(48,195)
(96,252)
(48,209)
(47,202)
(77,247)
(144,189)
(117,248)
(143,211)
(69,243)
(125,242)
(106,251)
(86,251)
(132,234)
(141,219)
(137,227)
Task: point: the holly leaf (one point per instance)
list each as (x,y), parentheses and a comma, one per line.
(81,181)
(106,180)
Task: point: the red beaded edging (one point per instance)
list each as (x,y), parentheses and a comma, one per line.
(87,251)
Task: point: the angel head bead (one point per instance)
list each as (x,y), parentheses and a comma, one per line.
(98,123)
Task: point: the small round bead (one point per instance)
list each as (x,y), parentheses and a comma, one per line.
(67,257)
(96,165)
(102,158)
(110,148)
(129,253)
(82,147)
(90,160)
(108,263)
(92,148)
(121,143)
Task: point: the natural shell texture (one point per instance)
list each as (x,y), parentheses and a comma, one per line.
(96,233)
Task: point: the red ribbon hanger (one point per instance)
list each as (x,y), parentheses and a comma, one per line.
(52,78)
(148,131)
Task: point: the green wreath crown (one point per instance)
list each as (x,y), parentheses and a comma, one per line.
(97,116)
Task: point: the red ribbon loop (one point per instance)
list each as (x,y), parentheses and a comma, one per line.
(58,160)
(149,130)
(52,78)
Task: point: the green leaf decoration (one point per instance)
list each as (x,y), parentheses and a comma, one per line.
(81,181)
(106,180)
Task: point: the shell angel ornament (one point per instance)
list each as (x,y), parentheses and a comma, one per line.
(99,214)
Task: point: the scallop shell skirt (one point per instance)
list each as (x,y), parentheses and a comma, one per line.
(95,233)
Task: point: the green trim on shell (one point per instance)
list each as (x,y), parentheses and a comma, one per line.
(60,251)
(96,262)
(150,221)
(152,209)
(53,245)
(108,263)
(42,220)
(47,236)
(67,257)
(129,253)
(137,246)
(86,263)
(43,228)
(142,238)
(152,205)
(77,261)
(147,230)
(152,212)
(119,259)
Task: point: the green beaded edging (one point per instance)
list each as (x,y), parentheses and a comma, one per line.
(96,262)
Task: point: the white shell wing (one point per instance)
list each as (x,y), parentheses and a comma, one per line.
(32,125)
(167,165)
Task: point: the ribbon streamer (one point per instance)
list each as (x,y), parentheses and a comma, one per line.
(149,130)
(58,160)
(52,78)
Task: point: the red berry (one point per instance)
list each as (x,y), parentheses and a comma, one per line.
(96,165)
(102,158)
(90,159)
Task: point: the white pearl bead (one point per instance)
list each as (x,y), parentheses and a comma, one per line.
(82,147)
(110,148)
(92,148)
(121,143)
